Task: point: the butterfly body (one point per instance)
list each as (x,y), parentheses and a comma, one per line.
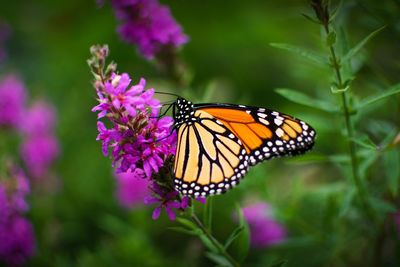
(217,143)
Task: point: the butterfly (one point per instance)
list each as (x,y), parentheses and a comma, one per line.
(217,143)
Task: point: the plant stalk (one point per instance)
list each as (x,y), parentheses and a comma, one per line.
(352,149)
(215,242)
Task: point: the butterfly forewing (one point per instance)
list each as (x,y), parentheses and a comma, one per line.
(265,133)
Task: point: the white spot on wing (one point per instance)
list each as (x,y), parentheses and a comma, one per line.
(278,122)
(279,132)
(262,115)
(263,121)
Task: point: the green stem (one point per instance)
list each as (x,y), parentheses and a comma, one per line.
(215,242)
(352,149)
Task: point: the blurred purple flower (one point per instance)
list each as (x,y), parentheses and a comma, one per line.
(264,229)
(12,100)
(38,153)
(16,233)
(40,146)
(39,119)
(148,24)
(132,188)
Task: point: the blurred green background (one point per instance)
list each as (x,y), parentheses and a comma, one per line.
(230,58)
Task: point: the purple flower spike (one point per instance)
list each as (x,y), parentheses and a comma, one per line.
(16,233)
(39,119)
(40,146)
(38,153)
(12,100)
(264,229)
(133,137)
(148,24)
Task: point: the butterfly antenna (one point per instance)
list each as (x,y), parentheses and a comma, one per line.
(165,137)
(167,103)
(165,112)
(165,93)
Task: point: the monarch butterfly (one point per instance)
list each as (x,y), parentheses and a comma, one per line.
(217,143)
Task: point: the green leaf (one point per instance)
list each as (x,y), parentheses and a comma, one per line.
(305,100)
(280,263)
(218,259)
(367,162)
(207,214)
(208,243)
(335,11)
(347,202)
(313,56)
(395,89)
(331,38)
(241,244)
(310,18)
(182,230)
(233,236)
(349,55)
(382,205)
(391,161)
(365,142)
(187,223)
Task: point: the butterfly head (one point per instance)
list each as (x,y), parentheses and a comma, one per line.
(183,111)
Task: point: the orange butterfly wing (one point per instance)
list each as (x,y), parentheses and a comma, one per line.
(265,133)
(217,143)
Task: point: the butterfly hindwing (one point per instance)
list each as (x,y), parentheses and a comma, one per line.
(209,159)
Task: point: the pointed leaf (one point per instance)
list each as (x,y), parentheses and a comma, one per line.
(185,231)
(208,243)
(365,142)
(305,100)
(241,244)
(331,38)
(391,161)
(187,223)
(207,214)
(218,259)
(395,89)
(382,205)
(310,18)
(280,263)
(360,45)
(233,235)
(313,56)
(347,202)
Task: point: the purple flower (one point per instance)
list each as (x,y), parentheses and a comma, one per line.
(12,99)
(133,137)
(40,146)
(148,24)
(39,119)
(167,200)
(132,188)
(16,233)
(38,153)
(264,229)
